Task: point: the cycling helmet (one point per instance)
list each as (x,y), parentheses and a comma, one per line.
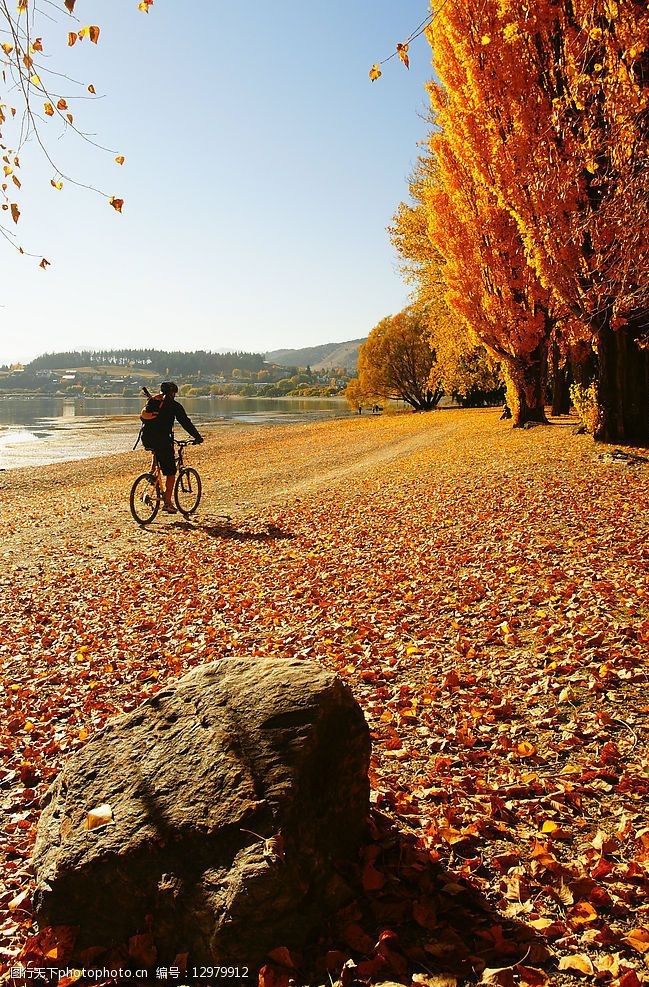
(168,387)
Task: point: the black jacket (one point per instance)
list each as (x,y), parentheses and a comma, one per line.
(159,430)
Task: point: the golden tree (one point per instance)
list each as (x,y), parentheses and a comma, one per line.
(395,362)
(461,367)
(546,106)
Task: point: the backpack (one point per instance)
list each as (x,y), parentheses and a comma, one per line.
(151,409)
(149,413)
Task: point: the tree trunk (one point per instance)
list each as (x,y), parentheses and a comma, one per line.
(560,384)
(526,379)
(622,386)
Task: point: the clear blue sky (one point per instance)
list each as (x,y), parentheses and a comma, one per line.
(262,167)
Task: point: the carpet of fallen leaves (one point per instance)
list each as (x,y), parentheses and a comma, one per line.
(484,591)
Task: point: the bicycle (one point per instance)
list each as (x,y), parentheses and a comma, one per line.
(147,491)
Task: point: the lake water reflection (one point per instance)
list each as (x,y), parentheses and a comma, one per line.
(40,430)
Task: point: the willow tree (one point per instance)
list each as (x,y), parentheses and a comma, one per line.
(396,362)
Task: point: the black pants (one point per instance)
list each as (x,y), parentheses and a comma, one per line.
(165,455)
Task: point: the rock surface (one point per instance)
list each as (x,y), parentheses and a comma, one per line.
(181,797)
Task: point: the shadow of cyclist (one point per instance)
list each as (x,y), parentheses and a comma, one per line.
(228,530)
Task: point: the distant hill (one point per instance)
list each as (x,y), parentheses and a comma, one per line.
(319,357)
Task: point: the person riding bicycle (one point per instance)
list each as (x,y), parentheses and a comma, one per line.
(157,433)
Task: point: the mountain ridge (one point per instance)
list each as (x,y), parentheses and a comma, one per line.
(324,357)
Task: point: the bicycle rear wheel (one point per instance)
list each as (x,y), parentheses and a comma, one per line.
(145,498)
(187,491)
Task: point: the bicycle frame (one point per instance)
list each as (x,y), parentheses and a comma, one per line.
(178,457)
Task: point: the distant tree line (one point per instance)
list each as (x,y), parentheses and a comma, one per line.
(162,361)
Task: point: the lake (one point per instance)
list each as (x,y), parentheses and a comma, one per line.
(40,430)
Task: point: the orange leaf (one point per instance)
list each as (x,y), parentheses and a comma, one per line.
(61,105)
(93,31)
(120,159)
(372,878)
(638,939)
(72,37)
(49,109)
(15,212)
(375,72)
(70,5)
(91,89)
(403,54)
(582,914)
(282,956)
(55,184)
(525,749)
(116,203)
(44,264)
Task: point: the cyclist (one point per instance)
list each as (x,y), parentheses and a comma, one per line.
(157,433)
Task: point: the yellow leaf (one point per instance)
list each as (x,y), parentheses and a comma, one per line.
(579,962)
(72,37)
(49,109)
(485,40)
(16,902)
(116,203)
(7,48)
(375,72)
(8,169)
(59,185)
(83,733)
(120,159)
(100,816)
(15,212)
(144,6)
(35,80)
(549,826)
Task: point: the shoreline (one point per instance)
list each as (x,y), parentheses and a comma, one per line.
(94,428)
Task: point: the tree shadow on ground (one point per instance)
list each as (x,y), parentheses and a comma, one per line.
(224,527)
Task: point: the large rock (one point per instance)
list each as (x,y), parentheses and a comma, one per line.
(235,748)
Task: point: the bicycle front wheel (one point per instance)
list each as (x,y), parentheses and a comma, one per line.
(187,491)
(145,498)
